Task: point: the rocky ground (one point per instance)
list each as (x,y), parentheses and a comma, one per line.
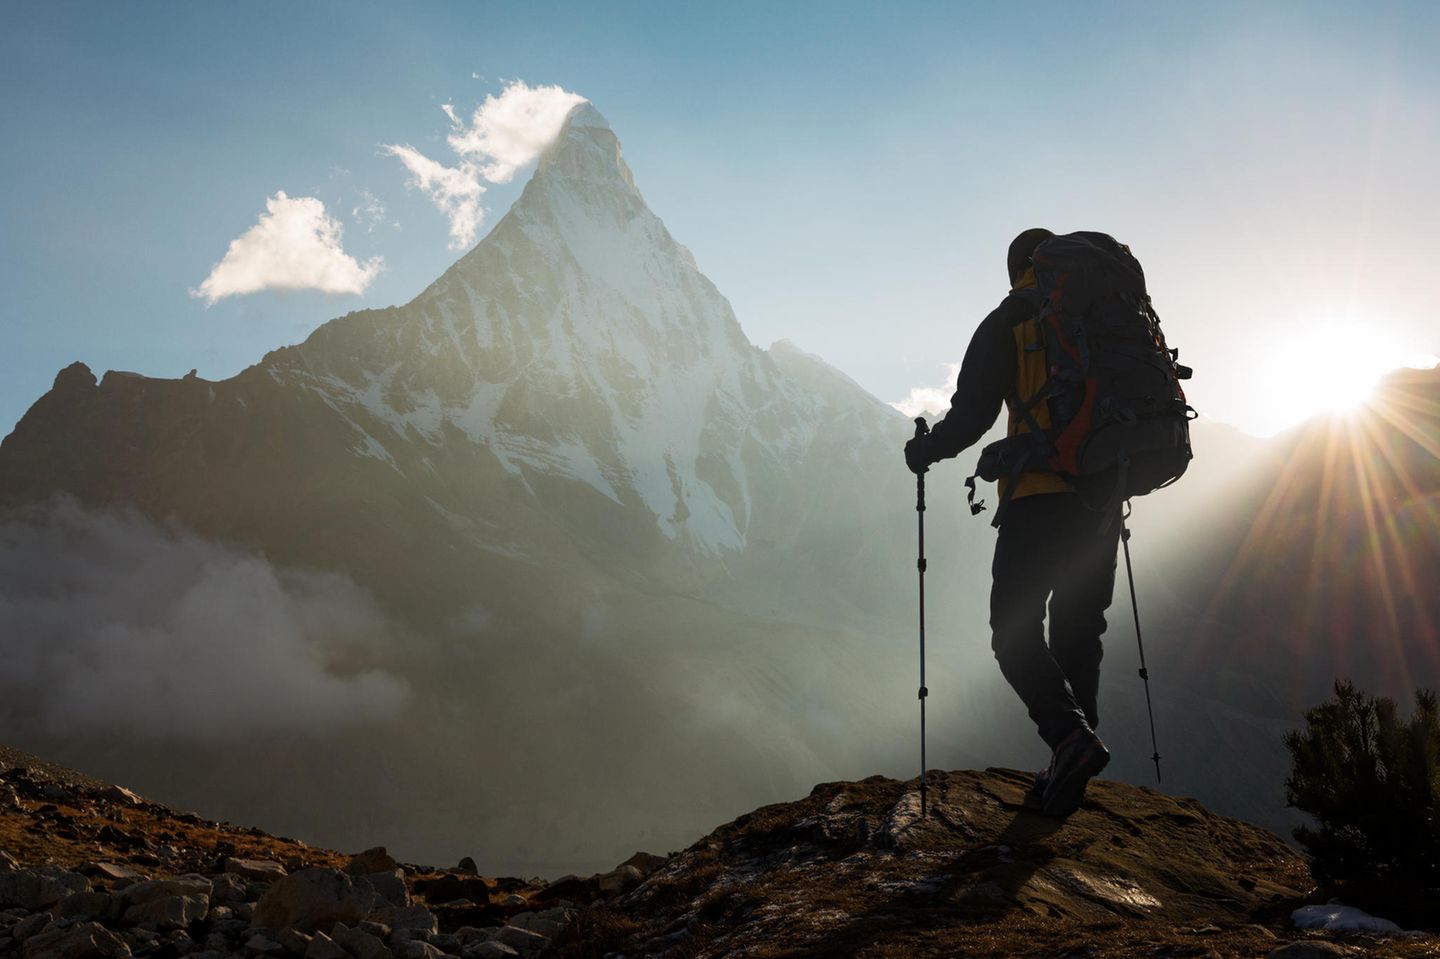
(89,869)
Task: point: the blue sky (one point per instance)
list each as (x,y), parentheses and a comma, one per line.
(848,174)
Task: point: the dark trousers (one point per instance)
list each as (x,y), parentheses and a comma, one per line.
(1052,549)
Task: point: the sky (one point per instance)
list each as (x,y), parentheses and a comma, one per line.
(849,175)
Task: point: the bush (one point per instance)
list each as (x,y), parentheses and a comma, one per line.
(1371,781)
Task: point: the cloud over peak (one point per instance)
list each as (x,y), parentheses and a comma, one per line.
(504,134)
(295,245)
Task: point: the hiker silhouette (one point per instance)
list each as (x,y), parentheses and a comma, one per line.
(1056,548)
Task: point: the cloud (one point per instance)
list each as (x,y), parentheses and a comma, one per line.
(368,211)
(505,133)
(930,399)
(295,245)
(455,191)
(109,622)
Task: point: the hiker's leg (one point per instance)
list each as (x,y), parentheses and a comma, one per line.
(1083,592)
(1024,571)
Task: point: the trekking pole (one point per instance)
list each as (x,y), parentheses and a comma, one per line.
(1135,608)
(921,430)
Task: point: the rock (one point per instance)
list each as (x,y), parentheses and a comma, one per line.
(261,945)
(619,880)
(489,949)
(86,940)
(228,888)
(40,887)
(371,860)
(29,926)
(412,918)
(110,870)
(8,863)
(295,942)
(261,869)
(323,947)
(311,898)
(515,900)
(219,914)
(445,942)
(120,796)
(91,905)
(184,886)
(54,792)
(1311,949)
(168,912)
(472,934)
(390,886)
(416,949)
(522,941)
(548,923)
(358,943)
(645,862)
(9,798)
(467,866)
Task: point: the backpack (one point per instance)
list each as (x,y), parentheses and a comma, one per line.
(1119,423)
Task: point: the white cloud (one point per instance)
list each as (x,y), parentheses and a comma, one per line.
(503,135)
(110,622)
(368,211)
(295,245)
(455,191)
(930,399)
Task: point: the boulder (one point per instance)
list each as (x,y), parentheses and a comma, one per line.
(110,870)
(29,926)
(261,869)
(414,918)
(548,923)
(358,943)
(262,945)
(323,947)
(39,888)
(371,860)
(311,898)
(416,949)
(185,886)
(86,940)
(91,905)
(468,867)
(8,863)
(168,912)
(489,949)
(389,886)
(119,795)
(229,888)
(295,942)
(619,881)
(522,941)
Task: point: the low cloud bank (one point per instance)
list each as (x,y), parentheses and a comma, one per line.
(295,245)
(930,399)
(503,135)
(110,621)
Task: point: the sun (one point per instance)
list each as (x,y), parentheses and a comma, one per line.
(1330,367)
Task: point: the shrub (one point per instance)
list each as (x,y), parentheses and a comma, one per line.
(1371,782)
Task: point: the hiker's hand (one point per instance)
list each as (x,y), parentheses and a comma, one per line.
(917,454)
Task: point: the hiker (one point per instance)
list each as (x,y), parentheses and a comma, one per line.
(1052,547)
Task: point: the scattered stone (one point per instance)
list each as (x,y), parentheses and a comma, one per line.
(311,898)
(412,918)
(522,941)
(120,796)
(91,905)
(1311,949)
(86,940)
(548,923)
(261,869)
(262,945)
(359,943)
(169,912)
(323,947)
(371,860)
(390,886)
(295,942)
(467,866)
(416,949)
(29,926)
(619,881)
(110,870)
(489,949)
(39,888)
(142,892)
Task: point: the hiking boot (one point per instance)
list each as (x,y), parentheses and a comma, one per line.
(1080,756)
(1035,796)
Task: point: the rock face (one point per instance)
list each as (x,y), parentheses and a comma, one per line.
(854,867)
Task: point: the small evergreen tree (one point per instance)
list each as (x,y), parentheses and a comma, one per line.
(1371,781)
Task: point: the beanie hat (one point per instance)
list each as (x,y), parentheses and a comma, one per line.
(1021,248)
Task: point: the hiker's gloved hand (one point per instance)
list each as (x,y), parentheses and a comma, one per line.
(917,454)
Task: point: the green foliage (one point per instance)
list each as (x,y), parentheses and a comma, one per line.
(1371,781)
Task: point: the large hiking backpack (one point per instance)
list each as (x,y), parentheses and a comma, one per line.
(1119,423)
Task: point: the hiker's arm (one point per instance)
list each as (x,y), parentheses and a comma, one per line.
(987,374)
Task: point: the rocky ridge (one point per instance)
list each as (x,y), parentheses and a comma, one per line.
(89,869)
